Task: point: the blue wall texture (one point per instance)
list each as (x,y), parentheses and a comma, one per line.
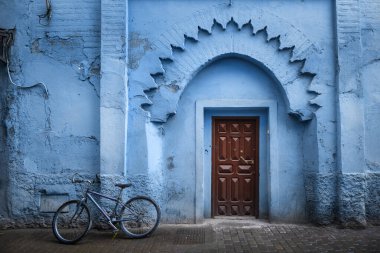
(132,86)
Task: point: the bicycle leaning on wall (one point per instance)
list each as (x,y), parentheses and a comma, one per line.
(137,218)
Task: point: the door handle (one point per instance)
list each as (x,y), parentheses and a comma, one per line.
(247,161)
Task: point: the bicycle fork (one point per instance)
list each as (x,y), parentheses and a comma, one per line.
(78,211)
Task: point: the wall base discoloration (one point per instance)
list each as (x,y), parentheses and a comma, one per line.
(372,198)
(352,189)
(321,197)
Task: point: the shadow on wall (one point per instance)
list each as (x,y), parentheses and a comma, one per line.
(4,150)
(6,40)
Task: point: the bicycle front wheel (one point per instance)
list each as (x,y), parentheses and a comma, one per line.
(139,217)
(71,222)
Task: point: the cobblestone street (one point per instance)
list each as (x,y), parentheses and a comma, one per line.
(213,236)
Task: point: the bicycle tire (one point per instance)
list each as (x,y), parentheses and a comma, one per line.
(139,217)
(67,230)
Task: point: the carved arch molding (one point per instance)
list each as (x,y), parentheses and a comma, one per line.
(208,35)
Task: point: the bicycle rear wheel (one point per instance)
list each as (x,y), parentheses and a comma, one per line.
(139,217)
(71,222)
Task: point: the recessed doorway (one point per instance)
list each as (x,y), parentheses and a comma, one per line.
(235,172)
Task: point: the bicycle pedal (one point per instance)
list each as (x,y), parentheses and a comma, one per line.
(115,233)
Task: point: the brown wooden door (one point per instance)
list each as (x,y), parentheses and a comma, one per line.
(235,166)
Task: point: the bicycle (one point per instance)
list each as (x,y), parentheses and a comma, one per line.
(138,217)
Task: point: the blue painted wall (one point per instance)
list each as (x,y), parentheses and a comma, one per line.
(49,138)
(124,78)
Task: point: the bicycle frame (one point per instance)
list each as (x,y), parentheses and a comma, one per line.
(109,218)
(138,217)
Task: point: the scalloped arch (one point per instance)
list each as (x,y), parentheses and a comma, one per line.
(271,41)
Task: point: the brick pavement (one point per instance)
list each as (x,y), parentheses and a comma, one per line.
(213,236)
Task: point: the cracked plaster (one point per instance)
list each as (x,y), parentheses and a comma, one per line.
(48,138)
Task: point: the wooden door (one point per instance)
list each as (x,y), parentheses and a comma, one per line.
(235,166)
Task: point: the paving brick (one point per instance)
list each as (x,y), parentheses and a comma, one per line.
(204,238)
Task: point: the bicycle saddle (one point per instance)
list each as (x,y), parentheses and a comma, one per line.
(122,186)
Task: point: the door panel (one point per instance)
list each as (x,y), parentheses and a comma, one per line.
(234,166)
(235,149)
(222,148)
(235,189)
(222,189)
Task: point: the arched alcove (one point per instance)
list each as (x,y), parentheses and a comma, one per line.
(159,84)
(232,86)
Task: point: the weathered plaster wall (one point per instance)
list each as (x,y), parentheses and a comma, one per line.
(371,94)
(370,76)
(51,137)
(358,29)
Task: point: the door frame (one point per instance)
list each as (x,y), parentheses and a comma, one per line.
(272,162)
(256,161)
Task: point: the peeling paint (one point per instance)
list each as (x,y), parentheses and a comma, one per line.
(44,141)
(173,86)
(138,46)
(170,163)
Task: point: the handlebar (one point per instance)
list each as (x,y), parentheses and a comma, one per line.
(83,181)
(80,180)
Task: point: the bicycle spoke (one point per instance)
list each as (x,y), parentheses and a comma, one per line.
(140,217)
(71,222)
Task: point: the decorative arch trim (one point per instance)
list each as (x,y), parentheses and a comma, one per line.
(189,46)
